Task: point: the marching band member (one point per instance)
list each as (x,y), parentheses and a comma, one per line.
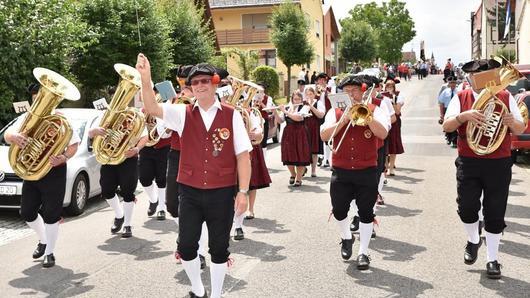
(443,101)
(489,174)
(354,165)
(214,158)
(45,194)
(395,145)
(322,86)
(152,165)
(259,177)
(296,154)
(312,123)
(265,102)
(124,176)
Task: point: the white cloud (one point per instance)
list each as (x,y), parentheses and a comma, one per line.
(443,25)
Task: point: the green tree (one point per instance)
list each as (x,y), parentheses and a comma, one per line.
(392,24)
(269,76)
(247,60)
(357,42)
(193,41)
(35,34)
(289,34)
(122,28)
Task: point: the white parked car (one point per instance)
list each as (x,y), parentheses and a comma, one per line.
(82,180)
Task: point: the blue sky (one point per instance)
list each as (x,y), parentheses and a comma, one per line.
(443,25)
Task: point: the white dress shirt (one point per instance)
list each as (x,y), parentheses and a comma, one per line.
(174,116)
(454,107)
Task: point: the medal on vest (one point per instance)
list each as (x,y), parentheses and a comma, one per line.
(224,133)
(220,135)
(367,133)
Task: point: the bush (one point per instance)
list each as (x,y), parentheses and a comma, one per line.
(269,76)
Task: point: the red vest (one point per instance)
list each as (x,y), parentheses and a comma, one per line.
(163,143)
(264,114)
(358,149)
(199,167)
(466,102)
(175,141)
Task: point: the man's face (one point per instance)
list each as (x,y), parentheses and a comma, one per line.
(202,86)
(353,91)
(452,84)
(321,81)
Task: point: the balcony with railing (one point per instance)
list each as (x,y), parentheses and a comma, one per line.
(242,36)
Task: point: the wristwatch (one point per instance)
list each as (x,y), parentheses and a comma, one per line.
(244,191)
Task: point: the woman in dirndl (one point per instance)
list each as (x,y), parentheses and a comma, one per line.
(312,123)
(395,145)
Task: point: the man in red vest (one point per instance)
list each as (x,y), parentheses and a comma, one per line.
(489,174)
(354,165)
(214,159)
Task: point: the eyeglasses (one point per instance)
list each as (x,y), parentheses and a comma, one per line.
(201,81)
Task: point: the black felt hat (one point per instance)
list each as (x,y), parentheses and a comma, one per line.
(33,88)
(322,75)
(350,80)
(480,65)
(201,69)
(184,71)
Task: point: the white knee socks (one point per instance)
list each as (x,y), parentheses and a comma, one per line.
(115,204)
(493,241)
(381,183)
(472,232)
(38,226)
(238,220)
(217,276)
(365,233)
(264,153)
(193,271)
(52,231)
(128,207)
(203,241)
(161,199)
(327,154)
(344,229)
(151,193)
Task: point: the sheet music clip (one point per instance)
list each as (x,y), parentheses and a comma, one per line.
(21,106)
(340,100)
(100,104)
(224,91)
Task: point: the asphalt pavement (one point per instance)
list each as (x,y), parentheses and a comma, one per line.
(291,248)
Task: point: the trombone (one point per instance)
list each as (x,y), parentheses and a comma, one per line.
(359,114)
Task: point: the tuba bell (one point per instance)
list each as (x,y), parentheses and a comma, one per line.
(485,139)
(123,124)
(524,111)
(48,135)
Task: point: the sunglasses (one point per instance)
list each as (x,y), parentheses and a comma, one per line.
(201,81)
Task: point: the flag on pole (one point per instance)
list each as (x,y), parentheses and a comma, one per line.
(508,19)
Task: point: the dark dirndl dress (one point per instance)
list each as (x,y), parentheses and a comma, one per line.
(313,132)
(295,144)
(395,146)
(259,177)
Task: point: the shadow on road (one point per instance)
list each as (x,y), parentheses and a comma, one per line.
(517,211)
(398,285)
(257,249)
(393,250)
(409,170)
(517,194)
(391,210)
(515,249)
(52,281)
(307,188)
(505,287)
(163,227)
(393,189)
(275,171)
(519,229)
(406,179)
(144,250)
(265,226)
(231,284)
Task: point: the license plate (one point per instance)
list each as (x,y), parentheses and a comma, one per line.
(8,190)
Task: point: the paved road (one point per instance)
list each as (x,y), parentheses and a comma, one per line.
(291,249)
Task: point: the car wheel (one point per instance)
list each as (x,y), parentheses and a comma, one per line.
(514,156)
(275,139)
(79,196)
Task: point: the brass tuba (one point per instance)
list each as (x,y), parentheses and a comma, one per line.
(244,93)
(123,124)
(485,139)
(150,122)
(48,135)
(524,111)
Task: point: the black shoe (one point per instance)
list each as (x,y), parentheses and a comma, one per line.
(161,215)
(116,227)
(493,270)
(152,208)
(127,232)
(203,262)
(480,227)
(346,248)
(373,234)
(354,226)
(49,261)
(363,262)
(319,161)
(326,165)
(39,251)
(471,252)
(192,295)
(239,234)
